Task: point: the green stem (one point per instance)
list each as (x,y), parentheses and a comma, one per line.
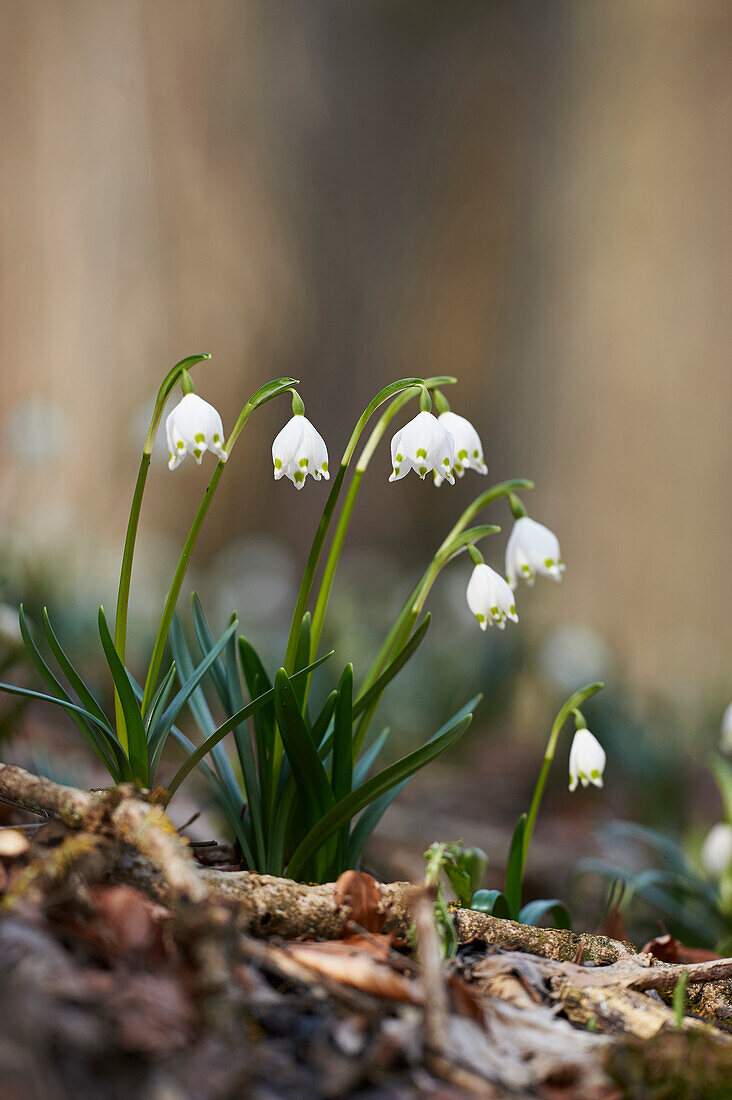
(571,704)
(266,393)
(125,578)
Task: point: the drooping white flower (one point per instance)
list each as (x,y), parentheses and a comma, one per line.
(586,760)
(299,450)
(531,549)
(423,445)
(726,740)
(490,598)
(716,850)
(193,427)
(468,447)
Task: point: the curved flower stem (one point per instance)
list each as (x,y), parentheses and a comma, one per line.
(266,393)
(125,578)
(402,627)
(570,705)
(411,610)
(401,391)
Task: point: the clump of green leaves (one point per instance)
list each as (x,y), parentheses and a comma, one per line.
(464,869)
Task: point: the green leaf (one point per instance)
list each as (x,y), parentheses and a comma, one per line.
(258,682)
(130,705)
(87,698)
(77,714)
(373,789)
(369,757)
(181,697)
(515,869)
(723,774)
(231,723)
(245,752)
(368,821)
(206,644)
(475,863)
(319,727)
(71,709)
(491,902)
(307,767)
(342,769)
(159,700)
(377,688)
(302,655)
(199,706)
(460,881)
(534,911)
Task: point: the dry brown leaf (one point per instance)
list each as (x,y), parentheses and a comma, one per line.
(360,892)
(669,949)
(356,967)
(125,919)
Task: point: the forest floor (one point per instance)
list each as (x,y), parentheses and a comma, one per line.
(133,963)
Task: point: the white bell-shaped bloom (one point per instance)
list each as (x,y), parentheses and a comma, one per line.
(299,450)
(586,760)
(423,445)
(193,427)
(531,549)
(716,850)
(490,598)
(726,740)
(468,447)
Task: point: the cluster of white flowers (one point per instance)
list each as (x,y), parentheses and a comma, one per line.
(445,446)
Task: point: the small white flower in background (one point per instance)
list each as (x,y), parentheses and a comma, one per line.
(193,427)
(716,850)
(423,445)
(490,598)
(586,760)
(468,447)
(726,741)
(299,450)
(531,549)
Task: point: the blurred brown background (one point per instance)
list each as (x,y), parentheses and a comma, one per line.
(532,196)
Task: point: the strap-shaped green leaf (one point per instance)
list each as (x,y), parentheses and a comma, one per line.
(515,869)
(342,768)
(302,654)
(369,757)
(159,701)
(258,683)
(533,911)
(245,752)
(368,821)
(79,715)
(320,726)
(206,642)
(231,723)
(130,705)
(307,767)
(371,790)
(377,689)
(182,696)
(86,697)
(197,702)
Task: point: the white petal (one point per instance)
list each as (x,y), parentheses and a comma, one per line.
(468,447)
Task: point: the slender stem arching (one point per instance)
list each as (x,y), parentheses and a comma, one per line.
(571,704)
(406,620)
(266,393)
(416,388)
(125,578)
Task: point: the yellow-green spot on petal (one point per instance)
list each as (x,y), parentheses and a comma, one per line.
(324,467)
(512,609)
(200,437)
(303,462)
(170,456)
(594,774)
(462,455)
(476,454)
(421,453)
(422,471)
(278,463)
(400,458)
(396,471)
(480,617)
(549,562)
(299,476)
(582,775)
(446,462)
(525,568)
(458,468)
(197,452)
(180,445)
(494,611)
(216,438)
